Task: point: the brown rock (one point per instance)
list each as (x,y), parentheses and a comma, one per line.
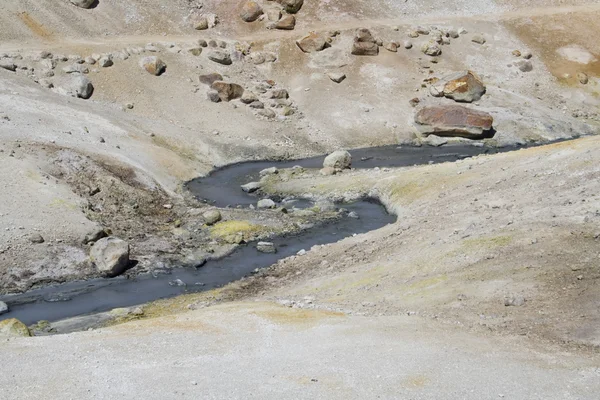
(312,42)
(286,23)
(291,6)
(364,43)
(209,79)
(227,91)
(454,120)
(463,87)
(251,11)
(391,46)
(153,65)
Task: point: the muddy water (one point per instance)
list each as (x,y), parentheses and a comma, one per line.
(222,188)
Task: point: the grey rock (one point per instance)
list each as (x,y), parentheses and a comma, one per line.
(36,238)
(259,105)
(336,76)
(431,48)
(3,308)
(251,187)
(76,69)
(94,235)
(105,61)
(110,255)
(8,64)
(279,94)
(291,6)
(211,217)
(266,203)
(479,39)
(153,65)
(83,3)
(267,113)
(266,247)
(338,159)
(76,86)
(269,171)
(213,96)
(220,56)
(435,141)
(514,300)
(524,65)
(408,44)
(250,11)
(248,97)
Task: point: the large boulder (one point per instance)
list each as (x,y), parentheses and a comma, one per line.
(462,87)
(227,91)
(250,11)
(13,328)
(364,43)
(312,42)
(338,159)
(291,6)
(110,255)
(153,65)
(454,120)
(83,3)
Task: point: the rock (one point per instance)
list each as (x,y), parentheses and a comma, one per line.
(248,97)
(364,44)
(3,308)
(94,235)
(325,206)
(391,46)
(90,60)
(312,42)
(36,238)
(516,53)
(266,203)
(327,171)
(431,48)
(250,11)
(83,3)
(110,255)
(421,30)
(211,217)
(279,94)
(153,65)
(514,300)
(209,79)
(353,214)
(269,171)
(77,86)
(453,33)
(338,159)
(202,43)
(479,39)
(213,96)
(273,14)
(337,76)
(435,141)
(454,120)
(76,69)
(13,328)
(257,105)
(583,78)
(286,23)
(462,87)
(291,6)
(524,65)
(408,44)
(195,51)
(267,113)
(220,56)
(266,247)
(227,91)
(8,64)
(105,61)
(201,24)
(251,187)
(527,55)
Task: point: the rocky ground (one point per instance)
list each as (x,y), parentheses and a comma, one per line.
(107,108)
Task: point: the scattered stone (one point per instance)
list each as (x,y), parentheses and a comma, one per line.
(94,235)
(209,79)
(479,39)
(83,3)
(336,76)
(524,65)
(213,96)
(105,61)
(211,217)
(364,44)
(251,10)
(227,91)
(153,65)
(110,255)
(257,105)
(265,203)
(257,58)
(462,87)
(195,51)
(583,78)
(279,94)
(453,33)
(408,44)
(220,56)
(267,113)
(454,120)
(391,46)
(202,43)
(36,238)
(13,328)
(514,300)
(414,102)
(431,48)
(291,6)
(90,60)
(201,24)
(251,187)
(266,247)
(76,69)
(413,34)
(516,53)
(421,30)
(338,159)
(287,23)
(152,48)
(312,42)
(527,55)
(3,308)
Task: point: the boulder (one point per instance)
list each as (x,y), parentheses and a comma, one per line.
(212,217)
(338,159)
(479,39)
(110,255)
(364,43)
(13,328)
(3,308)
(454,120)
(227,91)
(201,23)
(153,65)
(279,94)
(266,247)
(251,187)
(76,86)
(36,238)
(336,76)
(312,42)
(209,79)
(287,23)
(220,56)
(464,87)
(266,203)
(431,48)
(291,6)
(583,78)
(391,46)
(251,10)
(248,97)
(105,61)
(83,3)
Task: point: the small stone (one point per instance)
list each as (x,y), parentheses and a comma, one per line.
(8,64)
(583,78)
(105,61)
(220,57)
(267,113)
(209,79)
(248,97)
(514,301)
(269,171)
(83,3)
(527,55)
(202,43)
(479,39)
(279,94)
(213,96)
(408,44)
(391,46)
(227,91)
(327,171)
(195,51)
(336,76)
(93,236)
(516,53)
(524,65)
(312,42)
(266,247)
(453,33)
(266,203)
(211,217)
(287,23)
(431,48)
(36,238)
(201,24)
